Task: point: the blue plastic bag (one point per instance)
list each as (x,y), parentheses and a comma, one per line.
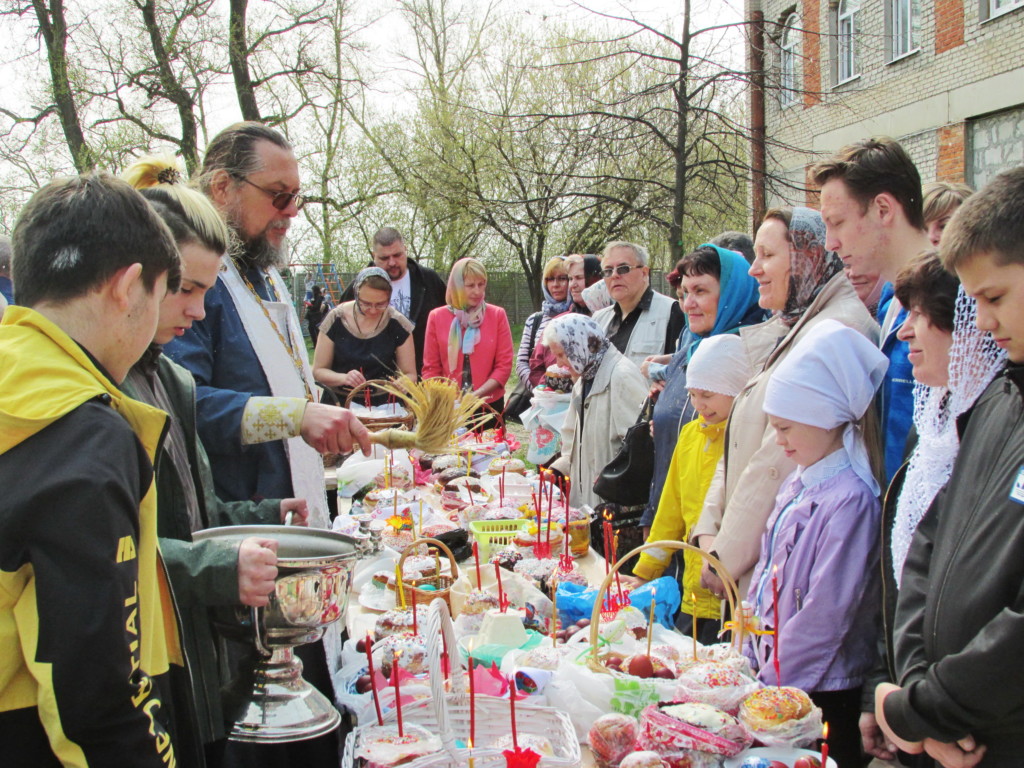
(576,602)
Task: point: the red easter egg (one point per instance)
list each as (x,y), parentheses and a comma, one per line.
(641,666)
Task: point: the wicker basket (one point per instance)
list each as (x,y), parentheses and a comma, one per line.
(447,714)
(442,582)
(378,423)
(494,534)
(731,596)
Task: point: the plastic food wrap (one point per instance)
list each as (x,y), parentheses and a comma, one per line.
(698,732)
(781,728)
(717,684)
(611,738)
(380,745)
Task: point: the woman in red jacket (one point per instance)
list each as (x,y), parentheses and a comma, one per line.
(469,330)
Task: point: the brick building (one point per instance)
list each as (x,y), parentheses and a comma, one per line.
(946,78)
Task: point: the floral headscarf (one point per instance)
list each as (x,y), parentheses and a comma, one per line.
(552,308)
(811,266)
(582,340)
(465,330)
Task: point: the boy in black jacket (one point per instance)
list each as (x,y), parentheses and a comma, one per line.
(960,615)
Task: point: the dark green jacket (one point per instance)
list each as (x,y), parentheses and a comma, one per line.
(202,575)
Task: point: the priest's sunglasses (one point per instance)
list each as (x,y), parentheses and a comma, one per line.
(279,200)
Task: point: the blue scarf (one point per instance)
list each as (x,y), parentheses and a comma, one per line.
(737,295)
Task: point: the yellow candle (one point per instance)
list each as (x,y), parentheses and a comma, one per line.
(693,601)
(398,584)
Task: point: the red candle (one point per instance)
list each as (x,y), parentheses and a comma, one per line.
(502,601)
(398,693)
(476,558)
(501,486)
(512,709)
(472,700)
(824,746)
(775,612)
(373,681)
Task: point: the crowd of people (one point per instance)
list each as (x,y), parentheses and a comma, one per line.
(838,420)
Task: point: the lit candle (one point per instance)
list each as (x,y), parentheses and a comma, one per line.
(824,746)
(650,621)
(415,626)
(775,617)
(693,600)
(373,680)
(398,693)
(512,708)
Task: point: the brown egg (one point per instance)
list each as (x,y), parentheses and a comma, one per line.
(641,666)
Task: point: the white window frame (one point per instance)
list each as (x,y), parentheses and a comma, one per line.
(846,39)
(901,17)
(787,62)
(999,7)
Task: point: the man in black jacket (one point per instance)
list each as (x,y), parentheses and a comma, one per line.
(959,625)
(416,290)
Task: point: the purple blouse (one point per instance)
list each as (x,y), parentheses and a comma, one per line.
(823,536)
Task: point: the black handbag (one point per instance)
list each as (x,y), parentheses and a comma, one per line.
(626,480)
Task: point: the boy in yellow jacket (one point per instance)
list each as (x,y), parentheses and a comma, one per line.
(717,372)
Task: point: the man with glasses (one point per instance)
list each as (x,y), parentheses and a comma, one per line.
(640,322)
(416,290)
(256,403)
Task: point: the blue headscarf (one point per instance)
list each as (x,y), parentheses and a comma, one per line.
(737,295)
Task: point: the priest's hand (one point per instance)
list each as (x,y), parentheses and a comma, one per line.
(330,429)
(257,569)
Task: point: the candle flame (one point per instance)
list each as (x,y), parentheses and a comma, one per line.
(824,733)
(775,570)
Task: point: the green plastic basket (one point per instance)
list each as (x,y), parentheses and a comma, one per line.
(494,534)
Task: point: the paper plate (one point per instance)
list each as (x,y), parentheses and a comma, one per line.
(376,599)
(783,755)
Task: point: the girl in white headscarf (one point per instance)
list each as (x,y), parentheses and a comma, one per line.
(606,400)
(816,583)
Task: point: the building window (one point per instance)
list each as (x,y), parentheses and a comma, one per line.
(846,30)
(787,74)
(901,26)
(997,7)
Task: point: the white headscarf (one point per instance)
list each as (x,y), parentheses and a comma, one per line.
(830,379)
(974,360)
(720,364)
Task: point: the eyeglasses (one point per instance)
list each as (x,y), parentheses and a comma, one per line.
(621,269)
(279,200)
(366,305)
(557,279)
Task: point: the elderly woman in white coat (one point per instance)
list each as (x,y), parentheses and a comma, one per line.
(606,400)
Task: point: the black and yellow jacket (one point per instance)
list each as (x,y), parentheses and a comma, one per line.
(86,620)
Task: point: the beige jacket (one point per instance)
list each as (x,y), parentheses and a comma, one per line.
(748,478)
(610,409)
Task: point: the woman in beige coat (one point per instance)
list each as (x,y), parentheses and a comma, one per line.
(803,284)
(606,400)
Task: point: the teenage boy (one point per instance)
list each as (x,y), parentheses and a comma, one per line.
(87,629)
(871,204)
(959,622)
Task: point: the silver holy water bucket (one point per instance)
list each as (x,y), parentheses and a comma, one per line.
(310,593)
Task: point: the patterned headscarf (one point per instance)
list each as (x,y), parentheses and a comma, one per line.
(811,266)
(366,274)
(582,340)
(552,308)
(465,330)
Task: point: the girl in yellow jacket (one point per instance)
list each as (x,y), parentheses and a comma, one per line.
(715,375)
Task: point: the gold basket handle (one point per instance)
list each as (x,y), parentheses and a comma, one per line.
(731,590)
(430,543)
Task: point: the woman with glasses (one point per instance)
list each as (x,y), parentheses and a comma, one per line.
(534,358)
(364,339)
(469,341)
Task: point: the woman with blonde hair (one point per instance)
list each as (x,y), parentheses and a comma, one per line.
(534,358)
(207,574)
(469,341)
